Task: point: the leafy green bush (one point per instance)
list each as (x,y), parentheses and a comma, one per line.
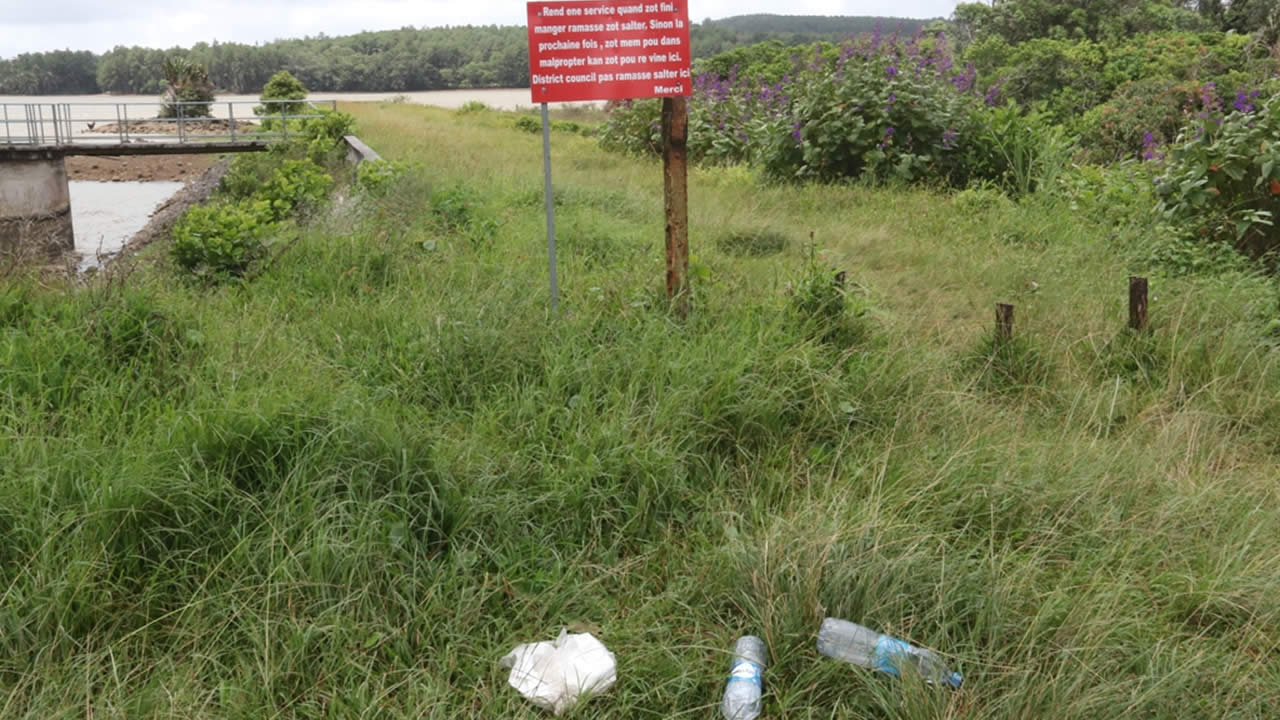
(529,124)
(871,108)
(331,126)
(282,86)
(224,239)
(1223,181)
(635,127)
(1120,196)
(472,106)
(297,184)
(220,239)
(765,62)
(873,116)
(1139,115)
(1064,76)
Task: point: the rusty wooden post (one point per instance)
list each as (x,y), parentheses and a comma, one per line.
(675,125)
(1004,322)
(1137,303)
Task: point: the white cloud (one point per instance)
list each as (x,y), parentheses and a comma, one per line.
(95,25)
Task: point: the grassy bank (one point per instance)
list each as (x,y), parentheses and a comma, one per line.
(347,487)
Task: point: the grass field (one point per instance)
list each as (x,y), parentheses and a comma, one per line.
(347,487)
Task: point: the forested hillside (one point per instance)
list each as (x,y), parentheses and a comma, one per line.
(384,61)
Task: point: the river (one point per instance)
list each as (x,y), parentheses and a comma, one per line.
(106,214)
(102,108)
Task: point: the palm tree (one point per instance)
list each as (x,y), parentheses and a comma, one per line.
(187,82)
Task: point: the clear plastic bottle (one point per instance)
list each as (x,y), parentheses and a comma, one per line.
(746,679)
(853,643)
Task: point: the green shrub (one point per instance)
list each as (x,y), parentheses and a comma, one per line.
(873,115)
(219,239)
(331,126)
(529,124)
(765,62)
(1222,183)
(1065,76)
(1120,196)
(246,175)
(472,106)
(282,86)
(297,184)
(1139,115)
(635,127)
(871,108)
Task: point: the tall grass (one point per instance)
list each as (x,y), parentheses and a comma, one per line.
(347,487)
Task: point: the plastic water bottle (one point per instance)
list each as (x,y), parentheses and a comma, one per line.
(746,679)
(853,643)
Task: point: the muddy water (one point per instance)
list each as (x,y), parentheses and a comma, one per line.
(106,214)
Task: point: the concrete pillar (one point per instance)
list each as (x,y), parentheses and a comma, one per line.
(35,203)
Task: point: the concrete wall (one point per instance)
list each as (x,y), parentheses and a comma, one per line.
(35,203)
(357,151)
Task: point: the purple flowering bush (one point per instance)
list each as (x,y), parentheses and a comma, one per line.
(883,109)
(1222,179)
(876,107)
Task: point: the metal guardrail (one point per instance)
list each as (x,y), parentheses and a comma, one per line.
(62,124)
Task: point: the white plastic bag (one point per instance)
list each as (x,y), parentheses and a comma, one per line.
(554,675)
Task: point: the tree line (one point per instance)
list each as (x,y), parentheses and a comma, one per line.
(407,59)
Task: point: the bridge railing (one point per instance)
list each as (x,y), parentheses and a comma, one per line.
(98,123)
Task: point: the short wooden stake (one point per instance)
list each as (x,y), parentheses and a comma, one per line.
(1137,303)
(1004,322)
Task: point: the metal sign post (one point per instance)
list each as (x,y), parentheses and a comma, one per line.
(551,207)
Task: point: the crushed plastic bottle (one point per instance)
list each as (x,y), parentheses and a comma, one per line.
(854,643)
(746,679)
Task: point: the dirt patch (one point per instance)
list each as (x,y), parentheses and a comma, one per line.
(212,126)
(139,167)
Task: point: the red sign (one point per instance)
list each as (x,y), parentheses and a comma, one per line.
(608,50)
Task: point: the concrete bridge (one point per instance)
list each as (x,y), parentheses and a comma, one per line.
(35,199)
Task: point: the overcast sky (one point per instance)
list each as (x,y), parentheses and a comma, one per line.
(99,25)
